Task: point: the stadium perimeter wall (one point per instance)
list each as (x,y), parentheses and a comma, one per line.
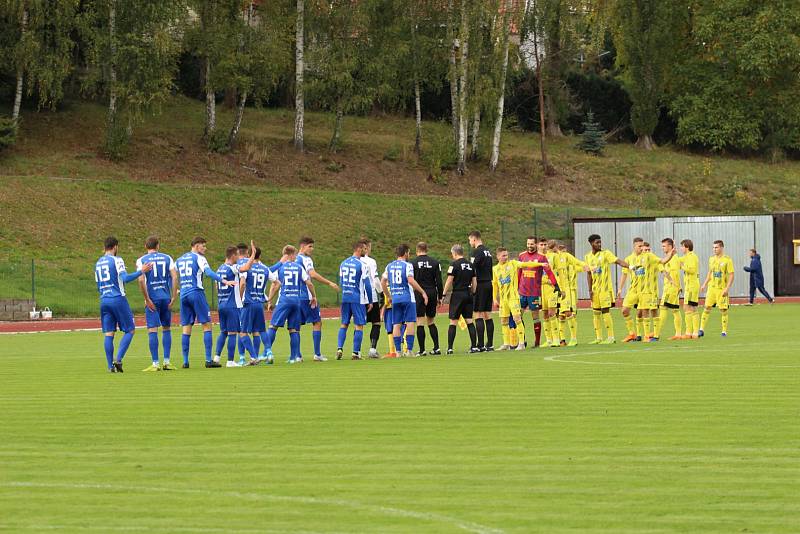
(739,232)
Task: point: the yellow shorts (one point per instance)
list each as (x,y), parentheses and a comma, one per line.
(671,297)
(566,303)
(691,295)
(601,300)
(631,299)
(549,297)
(648,301)
(714,298)
(574,293)
(509,307)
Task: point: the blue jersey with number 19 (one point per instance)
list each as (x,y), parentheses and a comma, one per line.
(397,274)
(292,277)
(159,280)
(354,281)
(256,284)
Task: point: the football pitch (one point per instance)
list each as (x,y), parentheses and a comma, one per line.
(688,436)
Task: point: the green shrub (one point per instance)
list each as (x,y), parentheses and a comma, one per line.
(439,154)
(8,132)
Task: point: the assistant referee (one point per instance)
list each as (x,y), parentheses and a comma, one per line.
(481,259)
(428,274)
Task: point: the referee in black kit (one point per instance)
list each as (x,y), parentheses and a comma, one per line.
(482,263)
(428,274)
(461,278)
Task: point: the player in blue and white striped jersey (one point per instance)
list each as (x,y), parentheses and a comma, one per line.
(356,289)
(229,300)
(312,315)
(399,286)
(159,288)
(192,266)
(115,312)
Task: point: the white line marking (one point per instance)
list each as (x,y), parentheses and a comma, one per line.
(378,509)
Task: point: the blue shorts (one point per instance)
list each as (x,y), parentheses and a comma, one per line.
(229,320)
(116,312)
(404,312)
(288,313)
(252,318)
(387,319)
(194,308)
(162,316)
(531,303)
(309,314)
(356,311)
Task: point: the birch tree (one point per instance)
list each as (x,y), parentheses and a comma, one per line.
(299,71)
(501,93)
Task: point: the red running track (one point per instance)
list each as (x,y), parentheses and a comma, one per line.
(59,325)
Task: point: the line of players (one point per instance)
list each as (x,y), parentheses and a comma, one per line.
(543,278)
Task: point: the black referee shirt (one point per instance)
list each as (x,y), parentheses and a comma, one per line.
(482,262)
(428,273)
(462,273)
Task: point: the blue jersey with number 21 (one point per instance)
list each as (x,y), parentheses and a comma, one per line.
(292,277)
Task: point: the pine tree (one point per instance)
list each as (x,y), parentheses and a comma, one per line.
(592,140)
(8,132)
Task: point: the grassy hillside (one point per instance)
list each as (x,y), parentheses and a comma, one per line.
(59,197)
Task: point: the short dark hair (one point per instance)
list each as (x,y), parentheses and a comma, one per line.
(258,253)
(645,243)
(151,243)
(593,238)
(542,240)
(402,249)
(498,250)
(688,244)
(422,246)
(357,245)
(230,251)
(110,242)
(198,240)
(530,237)
(719,242)
(475,233)
(638,240)
(366,241)
(754,251)
(242,248)
(669,241)
(306,241)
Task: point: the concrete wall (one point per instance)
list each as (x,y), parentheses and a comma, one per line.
(16,309)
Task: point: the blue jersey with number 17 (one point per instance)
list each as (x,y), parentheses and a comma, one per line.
(397,274)
(292,277)
(159,280)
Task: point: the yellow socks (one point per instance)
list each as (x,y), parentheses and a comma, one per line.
(596,321)
(676,320)
(704,318)
(506,335)
(695,322)
(609,322)
(724,320)
(512,335)
(573,327)
(662,318)
(520,337)
(640,330)
(630,325)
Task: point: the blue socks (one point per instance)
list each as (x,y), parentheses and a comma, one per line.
(166,340)
(108,345)
(152,338)
(410,342)
(231,347)
(247,344)
(123,345)
(271,333)
(220,343)
(240,344)
(317,335)
(208,340)
(342,337)
(398,343)
(294,343)
(257,343)
(358,337)
(265,340)
(185,338)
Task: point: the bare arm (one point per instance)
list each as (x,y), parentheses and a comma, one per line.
(312,291)
(730,283)
(272,290)
(143,288)
(386,292)
(246,267)
(418,289)
(447,285)
(174,274)
(707,280)
(319,278)
(474,285)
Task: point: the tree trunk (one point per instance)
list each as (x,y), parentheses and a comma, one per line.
(646,142)
(547,169)
(211,104)
(498,123)
(553,128)
(462,89)
(237,121)
(417,115)
(20,72)
(337,130)
(299,67)
(452,72)
(476,130)
(112,66)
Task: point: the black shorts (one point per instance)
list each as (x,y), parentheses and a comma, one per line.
(373,315)
(484,296)
(426,310)
(460,305)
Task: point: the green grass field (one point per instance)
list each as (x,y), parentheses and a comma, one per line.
(693,436)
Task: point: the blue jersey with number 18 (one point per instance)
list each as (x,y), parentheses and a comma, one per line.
(397,274)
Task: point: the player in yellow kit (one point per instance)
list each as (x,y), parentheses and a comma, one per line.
(670,296)
(718,281)
(690,265)
(631,299)
(652,265)
(600,288)
(505,286)
(550,300)
(565,266)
